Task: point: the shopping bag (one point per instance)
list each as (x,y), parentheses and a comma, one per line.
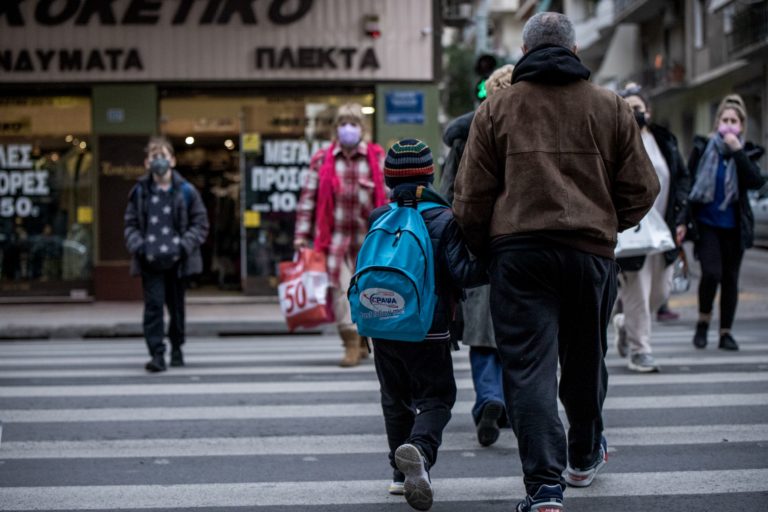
(681,281)
(304,290)
(651,236)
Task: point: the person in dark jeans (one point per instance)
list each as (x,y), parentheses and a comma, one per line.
(476,327)
(165,224)
(416,378)
(553,168)
(724,167)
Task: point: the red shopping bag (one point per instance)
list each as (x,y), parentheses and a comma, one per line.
(304,290)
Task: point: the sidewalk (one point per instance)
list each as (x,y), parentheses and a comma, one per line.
(205,317)
(240,315)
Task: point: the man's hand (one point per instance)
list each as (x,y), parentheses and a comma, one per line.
(732,141)
(300,243)
(680,232)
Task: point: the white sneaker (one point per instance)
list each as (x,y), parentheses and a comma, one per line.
(644,363)
(417,486)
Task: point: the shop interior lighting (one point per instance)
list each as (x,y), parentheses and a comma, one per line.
(83,145)
(189,141)
(68,138)
(229,144)
(368,110)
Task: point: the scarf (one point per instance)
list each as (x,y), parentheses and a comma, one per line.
(703,190)
(329,187)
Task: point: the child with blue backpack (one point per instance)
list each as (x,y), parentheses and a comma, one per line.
(410,272)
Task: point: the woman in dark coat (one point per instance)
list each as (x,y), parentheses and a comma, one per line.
(724,167)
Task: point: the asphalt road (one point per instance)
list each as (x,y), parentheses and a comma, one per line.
(273,423)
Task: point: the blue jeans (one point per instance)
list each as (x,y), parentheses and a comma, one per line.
(486,377)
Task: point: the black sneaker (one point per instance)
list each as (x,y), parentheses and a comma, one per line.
(549,498)
(488,426)
(177,358)
(417,486)
(156,364)
(727,342)
(700,338)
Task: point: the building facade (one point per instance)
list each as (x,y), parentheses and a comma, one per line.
(246,91)
(686,54)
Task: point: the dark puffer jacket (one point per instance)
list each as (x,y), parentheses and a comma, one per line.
(455,267)
(749,178)
(455,137)
(190,220)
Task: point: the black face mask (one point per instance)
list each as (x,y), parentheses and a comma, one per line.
(640,118)
(159,166)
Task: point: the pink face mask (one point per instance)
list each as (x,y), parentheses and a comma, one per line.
(349,135)
(724,128)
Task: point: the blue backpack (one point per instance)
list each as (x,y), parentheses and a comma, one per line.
(392,294)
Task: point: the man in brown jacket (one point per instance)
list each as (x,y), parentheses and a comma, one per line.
(554,167)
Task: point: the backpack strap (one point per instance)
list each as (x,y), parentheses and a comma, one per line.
(186,191)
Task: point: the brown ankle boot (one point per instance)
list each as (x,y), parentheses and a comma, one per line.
(351,342)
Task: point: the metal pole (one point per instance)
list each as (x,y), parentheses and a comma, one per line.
(481,27)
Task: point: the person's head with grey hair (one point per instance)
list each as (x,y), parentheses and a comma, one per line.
(549,28)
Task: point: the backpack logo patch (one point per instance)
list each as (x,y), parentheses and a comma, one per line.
(382,301)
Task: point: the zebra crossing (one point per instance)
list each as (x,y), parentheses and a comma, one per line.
(271,423)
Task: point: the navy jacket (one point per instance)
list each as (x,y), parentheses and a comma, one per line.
(190,219)
(455,267)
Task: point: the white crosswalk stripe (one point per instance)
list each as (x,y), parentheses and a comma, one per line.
(85,428)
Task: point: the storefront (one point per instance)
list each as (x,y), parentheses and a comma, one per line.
(246,91)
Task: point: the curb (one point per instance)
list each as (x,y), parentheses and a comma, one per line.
(135,330)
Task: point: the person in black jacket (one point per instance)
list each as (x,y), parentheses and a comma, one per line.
(489,412)
(724,167)
(419,376)
(165,224)
(646,280)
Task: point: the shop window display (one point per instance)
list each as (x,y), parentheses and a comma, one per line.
(251,195)
(46,213)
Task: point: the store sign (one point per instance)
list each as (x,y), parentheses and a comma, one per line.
(220,40)
(275,174)
(21,186)
(404,107)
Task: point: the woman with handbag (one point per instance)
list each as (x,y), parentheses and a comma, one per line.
(344,185)
(645,281)
(724,167)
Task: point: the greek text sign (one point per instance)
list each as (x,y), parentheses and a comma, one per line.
(140,40)
(20,185)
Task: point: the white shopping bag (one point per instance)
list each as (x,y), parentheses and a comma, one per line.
(651,236)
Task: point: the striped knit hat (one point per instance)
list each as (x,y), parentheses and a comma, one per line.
(409,158)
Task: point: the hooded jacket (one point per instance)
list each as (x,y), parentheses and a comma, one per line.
(553,159)
(190,220)
(455,137)
(455,268)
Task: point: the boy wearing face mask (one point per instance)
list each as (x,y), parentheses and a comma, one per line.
(165,224)
(344,186)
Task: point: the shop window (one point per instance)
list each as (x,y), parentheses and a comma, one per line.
(221,144)
(46,196)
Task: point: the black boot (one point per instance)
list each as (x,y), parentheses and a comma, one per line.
(177,358)
(156,364)
(727,342)
(700,338)
(488,426)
